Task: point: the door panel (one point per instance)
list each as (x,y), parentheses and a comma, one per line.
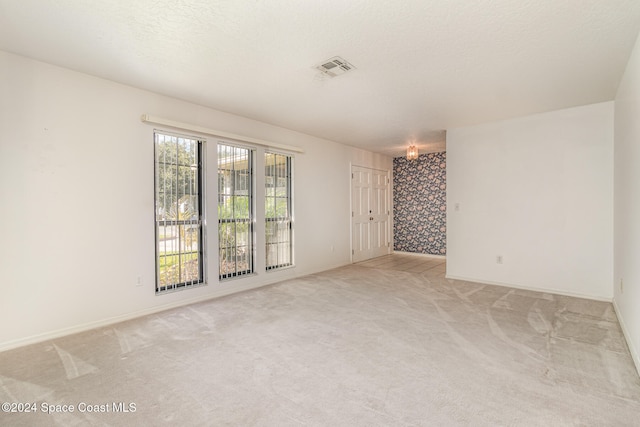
(370,213)
(380,214)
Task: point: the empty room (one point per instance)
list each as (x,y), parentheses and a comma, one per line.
(319,213)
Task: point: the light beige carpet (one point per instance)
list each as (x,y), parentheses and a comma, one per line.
(354,346)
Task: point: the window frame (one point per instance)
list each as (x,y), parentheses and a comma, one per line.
(287,219)
(248,180)
(198,221)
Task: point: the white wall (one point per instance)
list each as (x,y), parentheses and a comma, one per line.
(627,203)
(537,190)
(76,182)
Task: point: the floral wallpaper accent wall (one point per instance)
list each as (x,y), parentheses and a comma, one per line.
(419,204)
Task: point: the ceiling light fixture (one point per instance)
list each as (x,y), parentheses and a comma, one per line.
(412,152)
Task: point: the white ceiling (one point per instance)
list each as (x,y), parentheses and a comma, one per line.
(422,66)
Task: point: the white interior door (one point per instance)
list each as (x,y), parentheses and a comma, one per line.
(370,213)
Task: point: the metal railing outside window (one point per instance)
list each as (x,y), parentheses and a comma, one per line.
(235,211)
(278,215)
(178,212)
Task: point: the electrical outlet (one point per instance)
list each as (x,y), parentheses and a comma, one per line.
(139,281)
(621,286)
(498,259)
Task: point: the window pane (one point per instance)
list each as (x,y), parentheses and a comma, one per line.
(178,174)
(235,210)
(278,221)
(282,207)
(270,207)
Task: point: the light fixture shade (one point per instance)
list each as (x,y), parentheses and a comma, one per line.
(412,152)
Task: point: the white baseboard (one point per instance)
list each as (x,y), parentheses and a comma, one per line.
(441,257)
(531,288)
(625,332)
(34,339)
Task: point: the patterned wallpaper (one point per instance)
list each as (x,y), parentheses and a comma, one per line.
(419,204)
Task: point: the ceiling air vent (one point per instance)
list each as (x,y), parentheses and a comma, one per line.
(335,66)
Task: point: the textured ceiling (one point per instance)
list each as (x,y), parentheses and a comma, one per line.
(421,66)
